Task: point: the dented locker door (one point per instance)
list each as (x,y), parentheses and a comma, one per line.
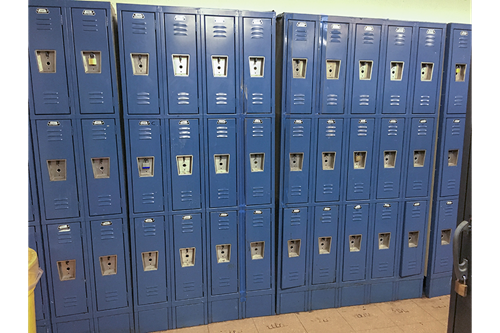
(140,61)
(92,57)
(111,280)
(47,61)
(66,253)
(390,158)
(445,228)
(259,158)
(185,163)
(294,248)
(414,235)
(385,239)
(333,66)
(296,160)
(101,161)
(224,252)
(182,64)
(146,165)
(451,156)
(365,72)
(222,162)
(300,66)
(57,157)
(188,254)
(397,69)
(360,158)
(151,260)
(459,75)
(324,267)
(220,64)
(259,248)
(329,159)
(258,64)
(355,242)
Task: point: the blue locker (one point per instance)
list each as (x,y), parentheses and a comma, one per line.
(185,163)
(397,69)
(182,63)
(66,253)
(385,239)
(293,250)
(259,154)
(220,64)
(334,44)
(92,57)
(188,254)
(223,162)
(420,157)
(355,242)
(428,73)
(324,264)
(31,209)
(390,157)
(297,147)
(108,248)
(365,71)
(300,66)
(47,61)
(74,326)
(156,319)
(57,163)
(414,235)
(259,249)
(101,161)
(258,64)
(328,159)
(360,159)
(146,165)
(118,323)
(33,242)
(224,252)
(151,260)
(140,61)
(458,76)
(446,223)
(451,156)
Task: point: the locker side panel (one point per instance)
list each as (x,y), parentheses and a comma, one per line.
(446,223)
(415,221)
(259,247)
(451,156)
(39,301)
(325,244)
(293,262)
(355,242)
(385,239)
(461,45)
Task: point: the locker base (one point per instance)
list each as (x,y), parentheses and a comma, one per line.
(259,306)
(435,286)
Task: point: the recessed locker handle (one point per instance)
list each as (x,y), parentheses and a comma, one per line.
(461,268)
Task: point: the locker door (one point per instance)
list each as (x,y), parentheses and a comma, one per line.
(185,163)
(360,159)
(141,78)
(333,66)
(57,158)
(151,259)
(420,157)
(258,160)
(294,248)
(224,252)
(451,156)
(328,159)
(92,57)
(188,254)
(296,160)
(446,223)
(111,287)
(325,244)
(397,69)
(33,242)
(414,234)
(355,242)
(66,253)
(146,168)
(366,64)
(258,64)
(47,61)
(385,239)
(220,64)
(223,162)
(300,66)
(390,157)
(101,161)
(259,247)
(182,63)
(428,73)
(459,74)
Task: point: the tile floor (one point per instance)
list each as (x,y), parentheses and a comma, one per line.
(429,315)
